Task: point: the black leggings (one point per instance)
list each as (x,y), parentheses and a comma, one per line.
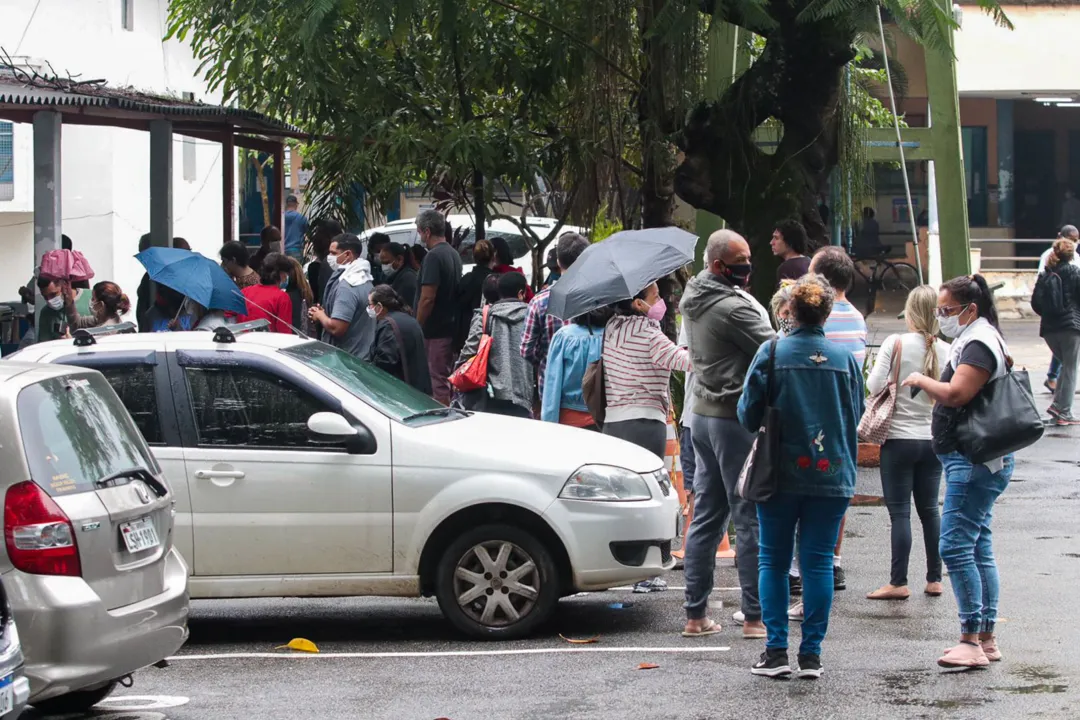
(910,468)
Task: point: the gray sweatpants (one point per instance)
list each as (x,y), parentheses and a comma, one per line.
(721,446)
(1066,348)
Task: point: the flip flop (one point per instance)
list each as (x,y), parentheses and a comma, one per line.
(711,629)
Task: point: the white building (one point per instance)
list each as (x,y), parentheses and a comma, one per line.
(105,192)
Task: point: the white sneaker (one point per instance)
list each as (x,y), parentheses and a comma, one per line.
(795,612)
(739,618)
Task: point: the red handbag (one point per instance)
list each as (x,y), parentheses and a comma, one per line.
(472,374)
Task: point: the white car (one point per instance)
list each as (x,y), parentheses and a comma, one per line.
(299,470)
(404,232)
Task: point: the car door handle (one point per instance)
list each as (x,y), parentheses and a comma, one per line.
(224,474)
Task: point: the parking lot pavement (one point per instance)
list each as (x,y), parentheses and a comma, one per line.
(387,658)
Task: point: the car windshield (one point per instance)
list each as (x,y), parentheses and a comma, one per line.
(519,246)
(379,389)
(75,432)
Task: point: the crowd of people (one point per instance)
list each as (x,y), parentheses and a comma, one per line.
(410,311)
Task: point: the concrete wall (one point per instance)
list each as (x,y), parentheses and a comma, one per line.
(105,171)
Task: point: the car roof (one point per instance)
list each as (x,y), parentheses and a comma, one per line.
(14,373)
(196,339)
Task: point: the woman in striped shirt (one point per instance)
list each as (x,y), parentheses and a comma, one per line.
(638,360)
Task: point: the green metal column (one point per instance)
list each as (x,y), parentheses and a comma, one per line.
(948,160)
(726,59)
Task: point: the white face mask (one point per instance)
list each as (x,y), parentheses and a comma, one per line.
(56,303)
(371,312)
(388,269)
(950,326)
(331,261)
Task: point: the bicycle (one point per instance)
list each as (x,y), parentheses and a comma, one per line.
(885,275)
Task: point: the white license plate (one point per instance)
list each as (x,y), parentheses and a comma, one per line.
(139,535)
(7,694)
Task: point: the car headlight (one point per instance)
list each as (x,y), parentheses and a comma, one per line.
(606,483)
(663,479)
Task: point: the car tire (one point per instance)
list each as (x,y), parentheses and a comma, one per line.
(74,703)
(482,598)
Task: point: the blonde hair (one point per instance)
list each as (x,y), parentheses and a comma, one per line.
(812,300)
(1064,251)
(921,313)
(781,298)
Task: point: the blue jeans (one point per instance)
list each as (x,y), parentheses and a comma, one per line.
(966,541)
(818,520)
(1055,369)
(686,458)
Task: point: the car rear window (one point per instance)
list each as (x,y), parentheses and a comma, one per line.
(75,432)
(519,246)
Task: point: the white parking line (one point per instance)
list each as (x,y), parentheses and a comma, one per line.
(627,588)
(452,653)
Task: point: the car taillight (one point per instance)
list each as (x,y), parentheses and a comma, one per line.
(39,536)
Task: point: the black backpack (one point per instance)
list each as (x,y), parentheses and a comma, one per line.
(1048,298)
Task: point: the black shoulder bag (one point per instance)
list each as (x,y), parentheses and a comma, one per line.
(1000,419)
(758,479)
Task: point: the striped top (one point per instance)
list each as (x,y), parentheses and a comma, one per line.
(638,360)
(847,328)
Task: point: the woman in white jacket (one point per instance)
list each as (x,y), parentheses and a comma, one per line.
(909,466)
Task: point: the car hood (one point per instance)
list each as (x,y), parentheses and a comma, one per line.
(508,444)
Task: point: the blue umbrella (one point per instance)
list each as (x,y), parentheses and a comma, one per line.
(194,275)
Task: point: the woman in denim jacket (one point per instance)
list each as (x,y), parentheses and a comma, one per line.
(818,389)
(573,348)
(978,355)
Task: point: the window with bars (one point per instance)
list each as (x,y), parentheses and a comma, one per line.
(7,161)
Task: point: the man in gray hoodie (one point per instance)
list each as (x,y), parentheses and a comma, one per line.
(725,326)
(511,379)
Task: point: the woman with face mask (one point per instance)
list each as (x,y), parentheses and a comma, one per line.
(398,347)
(966,313)
(107,306)
(638,360)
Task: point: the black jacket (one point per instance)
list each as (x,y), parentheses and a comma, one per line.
(404,284)
(387,353)
(469,298)
(1056,299)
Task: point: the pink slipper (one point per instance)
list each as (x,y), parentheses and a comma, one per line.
(964,656)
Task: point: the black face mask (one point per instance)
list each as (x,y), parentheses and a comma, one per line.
(739,275)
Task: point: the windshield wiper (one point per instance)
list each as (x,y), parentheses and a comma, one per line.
(133,473)
(436,412)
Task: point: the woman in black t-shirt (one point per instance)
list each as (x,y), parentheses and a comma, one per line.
(978,355)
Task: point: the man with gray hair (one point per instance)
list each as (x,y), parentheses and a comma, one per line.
(725,326)
(436,300)
(540,327)
(1069,232)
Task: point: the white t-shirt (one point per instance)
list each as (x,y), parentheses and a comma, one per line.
(688,385)
(911,418)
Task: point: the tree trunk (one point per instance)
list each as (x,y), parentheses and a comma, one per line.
(658,181)
(796,81)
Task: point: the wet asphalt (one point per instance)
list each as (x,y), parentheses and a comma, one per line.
(879,657)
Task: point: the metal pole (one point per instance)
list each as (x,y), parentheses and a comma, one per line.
(47,215)
(900,145)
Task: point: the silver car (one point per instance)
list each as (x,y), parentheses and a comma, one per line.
(97,589)
(14,687)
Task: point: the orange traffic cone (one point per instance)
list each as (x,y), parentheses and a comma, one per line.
(725,550)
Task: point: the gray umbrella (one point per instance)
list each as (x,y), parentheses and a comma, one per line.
(618,268)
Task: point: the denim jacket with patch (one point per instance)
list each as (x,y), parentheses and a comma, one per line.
(818,389)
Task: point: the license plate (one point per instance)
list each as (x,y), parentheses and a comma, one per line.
(7,694)
(139,535)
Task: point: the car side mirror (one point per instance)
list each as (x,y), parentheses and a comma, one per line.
(328,427)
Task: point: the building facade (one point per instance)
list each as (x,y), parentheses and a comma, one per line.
(105,192)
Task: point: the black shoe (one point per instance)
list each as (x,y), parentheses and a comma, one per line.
(773,663)
(795,585)
(810,667)
(839,579)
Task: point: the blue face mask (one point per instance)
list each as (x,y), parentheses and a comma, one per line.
(284,284)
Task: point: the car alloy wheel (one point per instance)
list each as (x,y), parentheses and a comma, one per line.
(496,583)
